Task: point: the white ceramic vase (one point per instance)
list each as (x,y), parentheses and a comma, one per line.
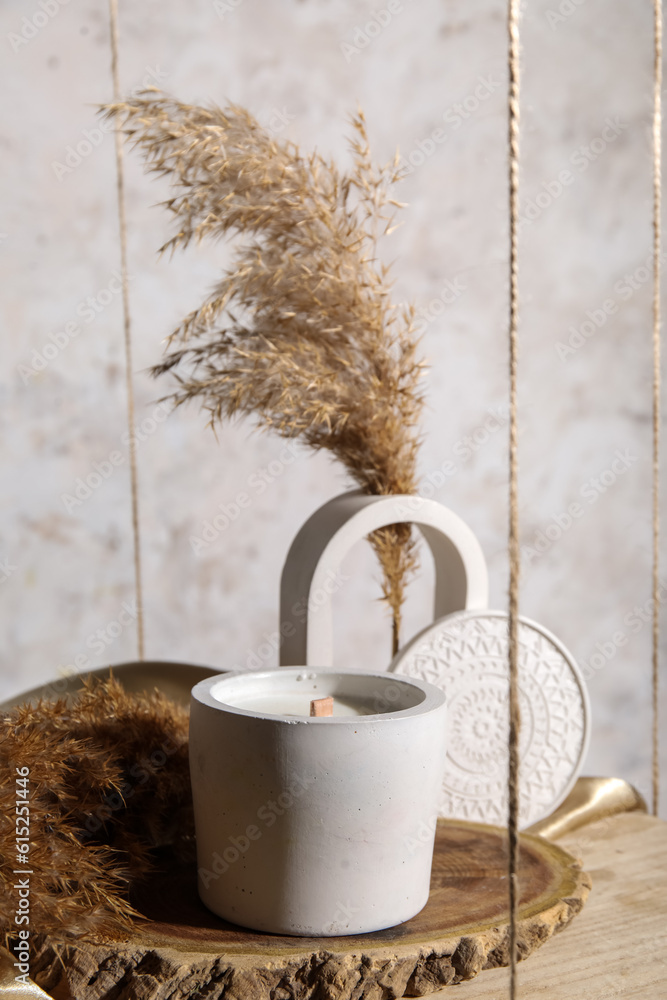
(309,575)
(315,826)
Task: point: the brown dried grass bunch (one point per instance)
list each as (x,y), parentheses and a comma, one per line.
(300,332)
(108,781)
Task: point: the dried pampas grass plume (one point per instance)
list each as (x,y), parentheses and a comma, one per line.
(300,333)
(108,781)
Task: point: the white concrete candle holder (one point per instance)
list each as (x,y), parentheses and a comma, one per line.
(315,825)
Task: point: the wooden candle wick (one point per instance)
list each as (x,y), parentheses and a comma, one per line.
(321,707)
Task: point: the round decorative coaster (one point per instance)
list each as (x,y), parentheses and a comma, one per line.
(466,654)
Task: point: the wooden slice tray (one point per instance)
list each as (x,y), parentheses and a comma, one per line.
(183,950)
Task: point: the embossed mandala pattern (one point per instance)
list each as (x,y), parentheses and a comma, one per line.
(466,656)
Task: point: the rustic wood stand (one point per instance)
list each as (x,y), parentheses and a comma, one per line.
(186,951)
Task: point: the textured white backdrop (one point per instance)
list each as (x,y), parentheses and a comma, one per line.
(66,573)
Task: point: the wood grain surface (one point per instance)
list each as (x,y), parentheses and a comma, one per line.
(617,948)
(186,951)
